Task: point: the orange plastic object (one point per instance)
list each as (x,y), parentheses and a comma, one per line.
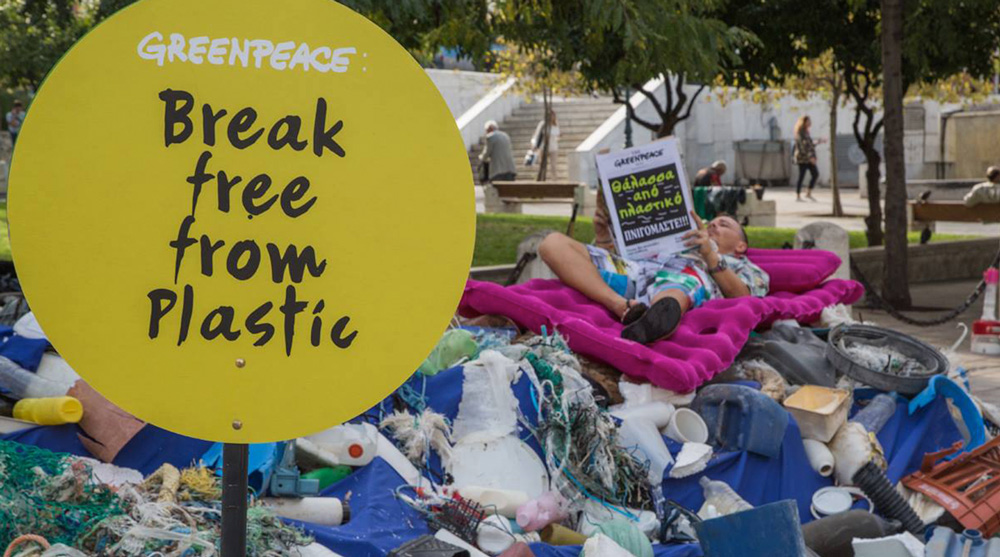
(355,450)
(968,487)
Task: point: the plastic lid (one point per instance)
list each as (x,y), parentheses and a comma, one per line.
(992,275)
(832,500)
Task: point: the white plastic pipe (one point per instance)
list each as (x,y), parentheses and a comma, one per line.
(657,412)
(820,457)
(326,511)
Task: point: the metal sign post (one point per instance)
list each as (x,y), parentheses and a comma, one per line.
(234,499)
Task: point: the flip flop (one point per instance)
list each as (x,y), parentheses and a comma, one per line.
(657,323)
(633,311)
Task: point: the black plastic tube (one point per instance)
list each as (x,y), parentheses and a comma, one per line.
(872,481)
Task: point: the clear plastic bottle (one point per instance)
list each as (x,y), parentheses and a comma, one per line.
(991,277)
(877,413)
(722,497)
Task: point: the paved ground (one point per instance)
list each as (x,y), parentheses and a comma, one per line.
(984,371)
(792,214)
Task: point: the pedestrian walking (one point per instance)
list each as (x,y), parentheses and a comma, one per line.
(804,154)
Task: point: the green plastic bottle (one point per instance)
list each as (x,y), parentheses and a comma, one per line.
(328,476)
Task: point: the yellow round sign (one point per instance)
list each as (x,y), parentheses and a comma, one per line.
(241,220)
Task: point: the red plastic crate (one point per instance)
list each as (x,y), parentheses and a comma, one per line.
(968,487)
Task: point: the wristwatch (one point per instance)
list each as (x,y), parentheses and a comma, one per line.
(719,267)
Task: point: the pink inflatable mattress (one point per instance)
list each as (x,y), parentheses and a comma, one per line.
(706,342)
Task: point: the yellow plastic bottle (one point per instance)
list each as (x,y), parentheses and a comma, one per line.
(49,411)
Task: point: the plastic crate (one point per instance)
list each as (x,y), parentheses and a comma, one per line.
(968,487)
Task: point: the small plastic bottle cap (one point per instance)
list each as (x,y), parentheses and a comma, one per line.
(832,500)
(992,275)
(355,450)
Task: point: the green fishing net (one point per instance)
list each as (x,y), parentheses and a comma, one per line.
(49,494)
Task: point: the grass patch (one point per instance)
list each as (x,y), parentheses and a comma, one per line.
(497,235)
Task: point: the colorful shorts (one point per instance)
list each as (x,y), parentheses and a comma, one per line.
(642,280)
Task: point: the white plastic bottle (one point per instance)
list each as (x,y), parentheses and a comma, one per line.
(992,277)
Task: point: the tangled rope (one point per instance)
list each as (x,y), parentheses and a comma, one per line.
(880,303)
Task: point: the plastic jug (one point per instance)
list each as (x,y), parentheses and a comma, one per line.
(740,418)
(349,444)
(642,439)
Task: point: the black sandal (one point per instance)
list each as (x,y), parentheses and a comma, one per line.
(633,311)
(657,323)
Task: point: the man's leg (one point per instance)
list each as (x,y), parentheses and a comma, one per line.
(666,309)
(571,262)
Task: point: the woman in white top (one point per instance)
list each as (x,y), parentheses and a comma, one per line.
(538,142)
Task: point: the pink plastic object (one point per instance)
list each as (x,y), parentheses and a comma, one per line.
(538,513)
(706,342)
(992,275)
(795,270)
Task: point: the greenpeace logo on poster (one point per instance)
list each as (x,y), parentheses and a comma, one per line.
(649,204)
(287,55)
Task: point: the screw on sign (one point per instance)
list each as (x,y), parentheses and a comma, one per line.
(241,197)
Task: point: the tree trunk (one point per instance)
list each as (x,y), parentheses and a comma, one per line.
(873,221)
(895,281)
(838,209)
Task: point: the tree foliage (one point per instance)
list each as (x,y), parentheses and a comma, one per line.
(425,26)
(34,34)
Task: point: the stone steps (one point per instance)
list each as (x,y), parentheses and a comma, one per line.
(577,118)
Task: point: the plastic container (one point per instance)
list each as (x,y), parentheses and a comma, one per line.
(986,337)
(740,418)
(819,411)
(991,277)
(820,457)
(348,444)
(765,531)
(49,411)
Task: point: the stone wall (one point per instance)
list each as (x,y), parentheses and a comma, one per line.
(961,260)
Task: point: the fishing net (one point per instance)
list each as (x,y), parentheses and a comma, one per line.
(172,513)
(49,494)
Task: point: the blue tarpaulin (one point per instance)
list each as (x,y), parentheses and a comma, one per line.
(379,522)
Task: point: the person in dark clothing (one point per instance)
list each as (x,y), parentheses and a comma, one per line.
(711,176)
(804,153)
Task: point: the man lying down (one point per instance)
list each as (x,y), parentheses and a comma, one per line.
(651,296)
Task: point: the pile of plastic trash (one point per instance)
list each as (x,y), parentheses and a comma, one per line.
(543,449)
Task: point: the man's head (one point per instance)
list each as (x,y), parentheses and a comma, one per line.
(17,105)
(728,235)
(491,126)
(993,174)
(719,167)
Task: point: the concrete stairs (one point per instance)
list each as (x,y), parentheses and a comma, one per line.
(578,117)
